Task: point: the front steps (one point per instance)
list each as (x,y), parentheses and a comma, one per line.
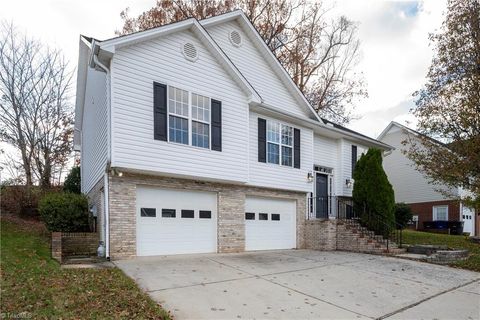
(351,236)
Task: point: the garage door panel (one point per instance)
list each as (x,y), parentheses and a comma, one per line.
(270,234)
(176,235)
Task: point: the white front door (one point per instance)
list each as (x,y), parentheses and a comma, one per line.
(175,221)
(270,223)
(467,218)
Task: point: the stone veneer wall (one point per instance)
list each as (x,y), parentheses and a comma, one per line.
(231,210)
(321,235)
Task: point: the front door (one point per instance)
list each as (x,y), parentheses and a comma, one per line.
(321,196)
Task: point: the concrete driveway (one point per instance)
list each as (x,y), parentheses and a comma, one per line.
(300,284)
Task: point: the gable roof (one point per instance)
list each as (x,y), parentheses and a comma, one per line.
(414,132)
(89,47)
(242,19)
(194,26)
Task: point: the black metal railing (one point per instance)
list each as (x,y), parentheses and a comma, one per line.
(322,207)
(389,232)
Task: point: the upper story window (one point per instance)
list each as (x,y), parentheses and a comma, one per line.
(200,121)
(279,143)
(178,115)
(188,112)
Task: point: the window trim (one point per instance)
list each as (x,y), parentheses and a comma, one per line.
(279,143)
(434,212)
(189,118)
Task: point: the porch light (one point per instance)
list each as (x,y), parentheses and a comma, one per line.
(116,172)
(349,183)
(310,176)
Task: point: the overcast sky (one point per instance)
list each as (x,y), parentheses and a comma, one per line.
(394,42)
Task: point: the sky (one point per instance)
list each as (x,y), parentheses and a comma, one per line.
(395,51)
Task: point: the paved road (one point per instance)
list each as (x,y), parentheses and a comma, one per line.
(305,284)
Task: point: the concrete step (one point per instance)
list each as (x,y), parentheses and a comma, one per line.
(82,260)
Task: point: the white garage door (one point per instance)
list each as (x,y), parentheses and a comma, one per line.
(175,221)
(270,224)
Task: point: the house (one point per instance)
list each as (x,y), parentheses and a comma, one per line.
(194,139)
(428,202)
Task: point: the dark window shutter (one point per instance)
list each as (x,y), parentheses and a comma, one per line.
(216,107)
(159,111)
(262,140)
(296,148)
(354,158)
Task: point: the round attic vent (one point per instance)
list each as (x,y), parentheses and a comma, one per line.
(190,51)
(235,38)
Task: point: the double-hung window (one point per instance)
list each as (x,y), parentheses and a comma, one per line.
(279,143)
(178,115)
(200,121)
(188,112)
(440,213)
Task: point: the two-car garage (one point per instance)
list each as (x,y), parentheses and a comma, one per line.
(173,221)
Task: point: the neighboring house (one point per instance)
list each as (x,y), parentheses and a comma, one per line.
(414,189)
(194,139)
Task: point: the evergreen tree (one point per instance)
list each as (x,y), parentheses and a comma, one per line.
(72,182)
(373,194)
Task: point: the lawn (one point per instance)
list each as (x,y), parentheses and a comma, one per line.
(34,286)
(457,242)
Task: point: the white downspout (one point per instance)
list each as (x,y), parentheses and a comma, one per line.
(105,181)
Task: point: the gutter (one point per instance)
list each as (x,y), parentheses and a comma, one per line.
(96,64)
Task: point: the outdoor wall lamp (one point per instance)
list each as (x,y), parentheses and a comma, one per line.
(117,172)
(349,183)
(310,176)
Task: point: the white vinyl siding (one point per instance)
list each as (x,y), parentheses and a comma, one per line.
(253,65)
(94,151)
(134,69)
(346,162)
(327,154)
(410,185)
(276,176)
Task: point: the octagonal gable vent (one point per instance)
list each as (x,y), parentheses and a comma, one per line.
(190,51)
(235,38)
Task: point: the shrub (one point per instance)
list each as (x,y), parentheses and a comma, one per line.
(72,181)
(67,212)
(373,195)
(403,214)
(22,200)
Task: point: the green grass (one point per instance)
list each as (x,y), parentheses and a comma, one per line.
(455,242)
(33,283)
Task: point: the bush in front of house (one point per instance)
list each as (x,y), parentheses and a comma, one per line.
(403,214)
(72,181)
(66,212)
(373,195)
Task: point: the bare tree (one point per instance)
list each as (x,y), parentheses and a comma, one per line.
(320,54)
(36,117)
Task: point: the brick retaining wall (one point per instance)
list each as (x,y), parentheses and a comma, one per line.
(65,244)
